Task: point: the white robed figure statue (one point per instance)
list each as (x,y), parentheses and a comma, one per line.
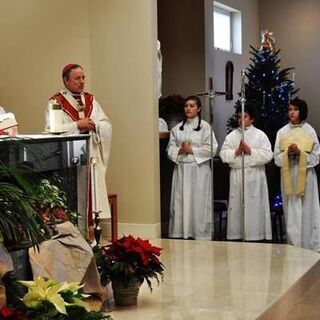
(81,113)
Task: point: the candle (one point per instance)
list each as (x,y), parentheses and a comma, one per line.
(293,76)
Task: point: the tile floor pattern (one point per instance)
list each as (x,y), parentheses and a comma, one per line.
(210,280)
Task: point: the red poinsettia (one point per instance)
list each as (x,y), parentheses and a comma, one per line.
(60,214)
(10,314)
(130,258)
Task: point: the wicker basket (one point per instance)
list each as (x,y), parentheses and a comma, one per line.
(126,296)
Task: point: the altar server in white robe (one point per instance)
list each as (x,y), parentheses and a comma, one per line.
(190,148)
(299,186)
(83,114)
(256,223)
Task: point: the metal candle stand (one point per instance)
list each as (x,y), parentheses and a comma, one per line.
(243,102)
(97,224)
(97,227)
(211,95)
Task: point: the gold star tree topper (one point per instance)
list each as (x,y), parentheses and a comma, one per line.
(267,40)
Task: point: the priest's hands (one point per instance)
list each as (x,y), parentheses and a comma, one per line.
(243,147)
(293,151)
(86,124)
(186,148)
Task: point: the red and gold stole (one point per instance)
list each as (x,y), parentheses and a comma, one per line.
(72,107)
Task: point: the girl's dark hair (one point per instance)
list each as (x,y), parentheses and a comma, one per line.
(302,106)
(198,103)
(249,109)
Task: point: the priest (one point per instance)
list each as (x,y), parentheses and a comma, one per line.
(81,113)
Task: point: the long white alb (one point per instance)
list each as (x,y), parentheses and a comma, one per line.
(191,204)
(256,221)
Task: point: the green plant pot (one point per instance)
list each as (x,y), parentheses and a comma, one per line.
(21,264)
(126,296)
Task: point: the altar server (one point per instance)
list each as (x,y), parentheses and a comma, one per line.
(255,225)
(297,152)
(81,113)
(190,148)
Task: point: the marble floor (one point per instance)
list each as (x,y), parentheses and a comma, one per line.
(228,280)
(308,308)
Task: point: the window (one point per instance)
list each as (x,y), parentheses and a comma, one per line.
(227,28)
(222,29)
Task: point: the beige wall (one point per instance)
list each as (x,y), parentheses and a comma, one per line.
(116,40)
(38,37)
(123,42)
(296,24)
(181,33)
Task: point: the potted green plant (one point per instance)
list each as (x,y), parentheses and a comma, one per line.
(26,200)
(52,204)
(19,223)
(127,262)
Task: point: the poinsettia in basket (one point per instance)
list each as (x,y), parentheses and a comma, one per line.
(127,262)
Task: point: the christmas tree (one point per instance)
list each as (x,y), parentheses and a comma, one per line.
(267,88)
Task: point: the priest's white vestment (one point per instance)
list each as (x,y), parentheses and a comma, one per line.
(256,221)
(191,205)
(302,212)
(100,141)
